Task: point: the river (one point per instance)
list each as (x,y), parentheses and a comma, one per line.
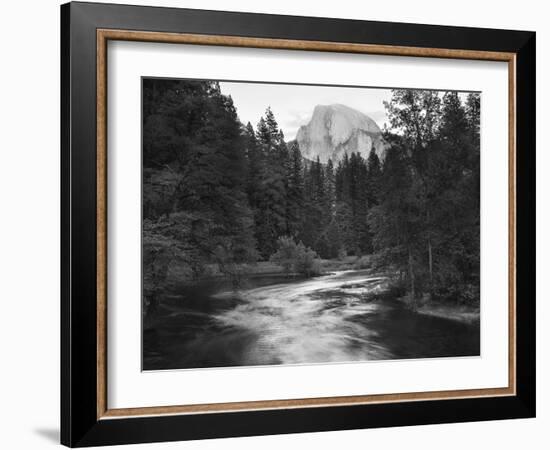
(340,317)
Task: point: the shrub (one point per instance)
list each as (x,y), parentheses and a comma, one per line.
(298,257)
(364,262)
(285,255)
(342,254)
(306,261)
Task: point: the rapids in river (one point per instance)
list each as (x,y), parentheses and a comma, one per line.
(340,317)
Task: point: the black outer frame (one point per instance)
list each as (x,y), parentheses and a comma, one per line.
(79,423)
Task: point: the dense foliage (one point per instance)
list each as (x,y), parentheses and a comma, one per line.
(296,256)
(220,193)
(426,225)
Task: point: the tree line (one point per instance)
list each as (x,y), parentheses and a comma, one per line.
(427,225)
(321,205)
(218,192)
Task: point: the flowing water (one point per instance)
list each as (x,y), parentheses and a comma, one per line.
(334,318)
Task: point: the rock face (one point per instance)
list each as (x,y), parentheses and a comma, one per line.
(335,130)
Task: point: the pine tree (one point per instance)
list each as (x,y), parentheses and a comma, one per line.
(414,115)
(456,192)
(358,202)
(255,164)
(295,191)
(436,212)
(343,206)
(395,221)
(313,210)
(374,174)
(473,106)
(272,220)
(331,232)
(272,126)
(195,159)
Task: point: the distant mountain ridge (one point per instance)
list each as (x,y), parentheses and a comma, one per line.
(335,130)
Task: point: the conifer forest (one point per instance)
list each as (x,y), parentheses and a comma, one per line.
(350,241)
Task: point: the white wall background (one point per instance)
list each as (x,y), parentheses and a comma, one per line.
(29,224)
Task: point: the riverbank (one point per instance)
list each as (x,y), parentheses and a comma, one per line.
(179,274)
(458,313)
(349,315)
(266,273)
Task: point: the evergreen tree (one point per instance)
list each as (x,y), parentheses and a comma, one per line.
(472,112)
(331,232)
(314,202)
(456,193)
(218,192)
(272,218)
(295,190)
(395,222)
(255,166)
(196,161)
(374,175)
(426,223)
(343,206)
(415,115)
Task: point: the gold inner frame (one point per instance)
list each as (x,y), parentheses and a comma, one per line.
(104,35)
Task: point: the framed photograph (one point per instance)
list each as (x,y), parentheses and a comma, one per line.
(276,224)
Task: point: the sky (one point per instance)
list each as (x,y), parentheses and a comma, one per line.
(293,104)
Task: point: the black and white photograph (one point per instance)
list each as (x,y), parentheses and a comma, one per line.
(300,224)
(279,225)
